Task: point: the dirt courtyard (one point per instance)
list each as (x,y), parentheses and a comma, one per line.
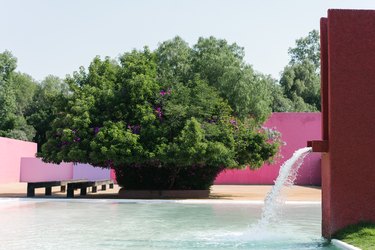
(224,192)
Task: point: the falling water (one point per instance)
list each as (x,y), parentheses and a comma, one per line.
(287,175)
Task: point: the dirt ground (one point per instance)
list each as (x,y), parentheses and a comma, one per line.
(224,192)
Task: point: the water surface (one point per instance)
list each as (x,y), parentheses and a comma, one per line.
(115,224)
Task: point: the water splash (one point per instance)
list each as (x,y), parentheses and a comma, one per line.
(287,176)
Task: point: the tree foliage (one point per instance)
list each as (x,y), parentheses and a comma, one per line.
(307,49)
(152,112)
(49,95)
(174,61)
(300,79)
(16,91)
(222,66)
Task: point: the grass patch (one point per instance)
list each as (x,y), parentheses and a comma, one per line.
(361,235)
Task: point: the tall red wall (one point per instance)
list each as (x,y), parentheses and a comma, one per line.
(296,129)
(348,173)
(11,152)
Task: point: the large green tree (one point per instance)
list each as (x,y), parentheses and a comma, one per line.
(176,133)
(300,79)
(16,91)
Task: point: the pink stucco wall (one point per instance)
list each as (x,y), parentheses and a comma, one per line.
(11,152)
(296,129)
(86,171)
(34,169)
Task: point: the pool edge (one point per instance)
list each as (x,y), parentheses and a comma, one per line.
(183,201)
(343,245)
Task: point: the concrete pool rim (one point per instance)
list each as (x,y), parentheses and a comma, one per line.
(156,201)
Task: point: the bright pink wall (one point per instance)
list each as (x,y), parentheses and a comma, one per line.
(34,169)
(113,175)
(295,129)
(11,151)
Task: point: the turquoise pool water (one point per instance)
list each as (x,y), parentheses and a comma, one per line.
(115,224)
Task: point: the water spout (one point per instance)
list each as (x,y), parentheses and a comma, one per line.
(287,176)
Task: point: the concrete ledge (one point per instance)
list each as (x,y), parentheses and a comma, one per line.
(343,245)
(318,146)
(163,194)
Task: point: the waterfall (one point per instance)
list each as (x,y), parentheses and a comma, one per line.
(287,175)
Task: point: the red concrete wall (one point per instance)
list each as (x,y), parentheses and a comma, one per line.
(326,181)
(296,129)
(349,174)
(11,152)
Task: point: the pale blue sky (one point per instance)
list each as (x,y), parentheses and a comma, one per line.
(56,37)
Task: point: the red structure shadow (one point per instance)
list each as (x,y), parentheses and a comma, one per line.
(348,137)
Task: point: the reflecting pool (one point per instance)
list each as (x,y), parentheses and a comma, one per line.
(129,224)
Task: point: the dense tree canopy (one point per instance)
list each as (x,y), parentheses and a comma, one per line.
(300,80)
(151,110)
(49,95)
(223,67)
(26,106)
(16,91)
(122,105)
(174,60)
(307,49)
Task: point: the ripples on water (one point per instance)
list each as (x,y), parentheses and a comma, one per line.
(55,225)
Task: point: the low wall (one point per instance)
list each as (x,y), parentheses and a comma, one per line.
(296,129)
(86,171)
(11,151)
(34,169)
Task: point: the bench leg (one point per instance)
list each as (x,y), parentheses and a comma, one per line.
(83,191)
(63,189)
(30,191)
(104,187)
(94,189)
(48,191)
(70,193)
(111,185)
